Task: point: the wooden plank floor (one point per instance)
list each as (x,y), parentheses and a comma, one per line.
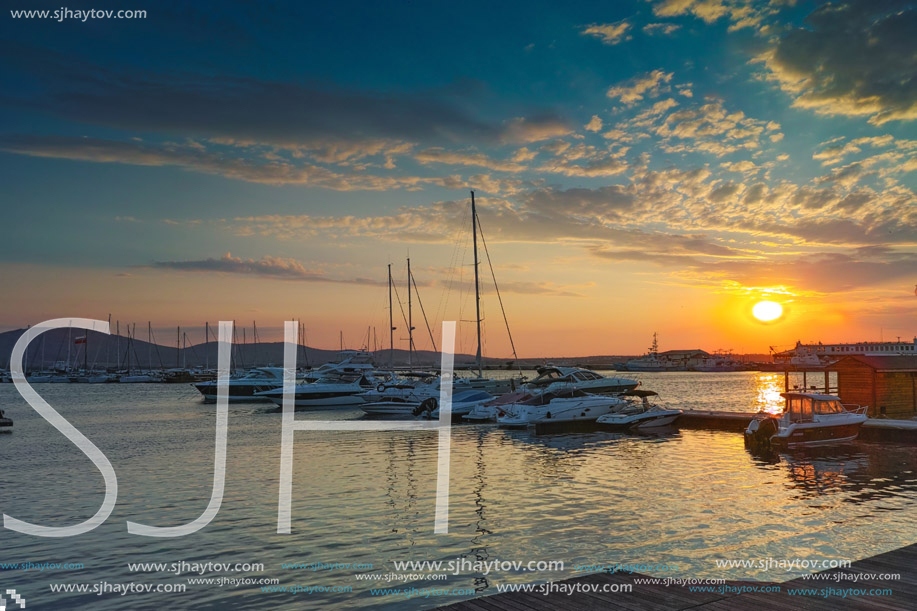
(646,597)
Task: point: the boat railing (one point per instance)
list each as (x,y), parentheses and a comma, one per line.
(853,408)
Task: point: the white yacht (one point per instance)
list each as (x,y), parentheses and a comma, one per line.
(561,406)
(651,361)
(351,361)
(551,378)
(642,415)
(333,391)
(809,419)
(241,388)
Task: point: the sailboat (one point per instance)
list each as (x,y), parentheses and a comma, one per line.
(491,385)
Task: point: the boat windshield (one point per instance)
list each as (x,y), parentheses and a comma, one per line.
(829,407)
(799,409)
(551,375)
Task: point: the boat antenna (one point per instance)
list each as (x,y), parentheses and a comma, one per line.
(477,287)
(499,298)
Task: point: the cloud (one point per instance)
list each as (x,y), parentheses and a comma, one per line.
(523,130)
(609,33)
(740,13)
(277,268)
(192,158)
(594,125)
(661,29)
(247,111)
(855,59)
(440,155)
(648,85)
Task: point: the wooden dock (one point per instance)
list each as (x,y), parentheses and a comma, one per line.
(874,429)
(658,597)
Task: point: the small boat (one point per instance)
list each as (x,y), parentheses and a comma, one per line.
(566,405)
(640,416)
(809,419)
(334,391)
(552,378)
(6,424)
(245,387)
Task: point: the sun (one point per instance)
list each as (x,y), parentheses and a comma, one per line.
(767,311)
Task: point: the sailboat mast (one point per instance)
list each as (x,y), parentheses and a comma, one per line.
(410,320)
(477,286)
(391,322)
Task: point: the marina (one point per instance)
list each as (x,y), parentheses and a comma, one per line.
(579,496)
(479,306)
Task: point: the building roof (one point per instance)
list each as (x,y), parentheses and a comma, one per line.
(880,363)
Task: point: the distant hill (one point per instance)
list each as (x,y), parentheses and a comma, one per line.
(111,351)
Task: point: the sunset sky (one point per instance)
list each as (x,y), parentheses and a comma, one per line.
(639,167)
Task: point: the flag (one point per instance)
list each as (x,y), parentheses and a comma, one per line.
(80,340)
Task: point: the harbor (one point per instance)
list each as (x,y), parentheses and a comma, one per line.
(479,306)
(584,497)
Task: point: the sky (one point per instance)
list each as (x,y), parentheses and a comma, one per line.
(639,167)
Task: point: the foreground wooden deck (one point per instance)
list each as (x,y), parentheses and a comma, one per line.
(646,597)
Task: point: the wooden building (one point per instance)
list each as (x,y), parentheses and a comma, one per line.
(887,384)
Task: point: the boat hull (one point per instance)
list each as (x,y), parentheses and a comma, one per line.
(237,392)
(322,400)
(813,436)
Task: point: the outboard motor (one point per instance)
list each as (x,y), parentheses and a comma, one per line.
(759,432)
(426,408)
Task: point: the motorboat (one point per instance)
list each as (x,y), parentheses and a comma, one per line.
(487,411)
(462,403)
(809,419)
(6,424)
(409,385)
(551,378)
(403,394)
(640,416)
(333,391)
(244,387)
(350,361)
(566,405)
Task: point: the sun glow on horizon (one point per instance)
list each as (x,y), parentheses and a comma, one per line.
(767,311)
